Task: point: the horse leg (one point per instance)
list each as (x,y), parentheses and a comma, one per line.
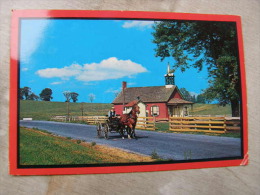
(134,136)
(122,132)
(129,131)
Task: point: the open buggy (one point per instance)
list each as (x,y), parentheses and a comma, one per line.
(110,125)
(126,123)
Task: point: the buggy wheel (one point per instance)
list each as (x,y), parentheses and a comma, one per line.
(99,130)
(106,130)
(121,131)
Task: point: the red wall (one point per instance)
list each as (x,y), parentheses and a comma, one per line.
(163,110)
(119,109)
(176,95)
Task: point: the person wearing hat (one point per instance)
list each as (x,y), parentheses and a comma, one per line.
(112,113)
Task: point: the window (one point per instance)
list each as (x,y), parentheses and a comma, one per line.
(155,110)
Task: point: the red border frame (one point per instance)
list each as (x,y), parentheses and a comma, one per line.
(17,14)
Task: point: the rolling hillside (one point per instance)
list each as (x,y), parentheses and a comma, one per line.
(211,109)
(40,110)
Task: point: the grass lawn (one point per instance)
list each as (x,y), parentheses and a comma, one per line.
(41,148)
(42,110)
(211,109)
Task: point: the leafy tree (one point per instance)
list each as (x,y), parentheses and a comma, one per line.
(91,97)
(74,96)
(24,93)
(21,94)
(225,84)
(193,98)
(201,99)
(204,44)
(67,95)
(45,95)
(34,97)
(186,95)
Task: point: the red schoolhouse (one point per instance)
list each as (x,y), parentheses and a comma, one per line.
(160,102)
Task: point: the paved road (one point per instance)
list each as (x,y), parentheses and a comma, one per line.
(167,145)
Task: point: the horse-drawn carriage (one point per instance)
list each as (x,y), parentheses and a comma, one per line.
(111,125)
(124,124)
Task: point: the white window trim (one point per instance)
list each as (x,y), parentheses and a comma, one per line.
(155,109)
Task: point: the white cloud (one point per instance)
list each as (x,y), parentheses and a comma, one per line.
(111,68)
(56,83)
(63,73)
(32,34)
(25,69)
(111,90)
(138,24)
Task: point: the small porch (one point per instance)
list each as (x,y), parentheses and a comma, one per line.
(179,107)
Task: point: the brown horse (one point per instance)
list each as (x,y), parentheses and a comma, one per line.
(128,122)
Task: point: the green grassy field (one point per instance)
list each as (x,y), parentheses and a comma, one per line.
(41,148)
(210,109)
(42,110)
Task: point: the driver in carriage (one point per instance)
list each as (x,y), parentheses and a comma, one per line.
(111,113)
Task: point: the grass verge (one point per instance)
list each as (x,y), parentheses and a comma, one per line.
(41,148)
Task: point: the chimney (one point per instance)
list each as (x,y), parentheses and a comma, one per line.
(124,85)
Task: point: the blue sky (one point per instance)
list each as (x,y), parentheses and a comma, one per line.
(94,57)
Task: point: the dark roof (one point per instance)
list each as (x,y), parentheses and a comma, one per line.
(179,101)
(146,94)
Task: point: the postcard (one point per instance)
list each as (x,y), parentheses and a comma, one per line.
(125,91)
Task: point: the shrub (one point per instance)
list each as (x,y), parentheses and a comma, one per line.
(154,155)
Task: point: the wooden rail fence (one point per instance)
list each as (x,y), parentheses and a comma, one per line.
(146,123)
(91,119)
(204,124)
(88,119)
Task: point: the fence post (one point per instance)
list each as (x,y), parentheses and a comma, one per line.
(225,125)
(210,124)
(154,125)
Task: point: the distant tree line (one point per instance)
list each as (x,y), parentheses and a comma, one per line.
(71,96)
(26,93)
(201,98)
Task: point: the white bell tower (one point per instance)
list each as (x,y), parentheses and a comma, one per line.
(169,78)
